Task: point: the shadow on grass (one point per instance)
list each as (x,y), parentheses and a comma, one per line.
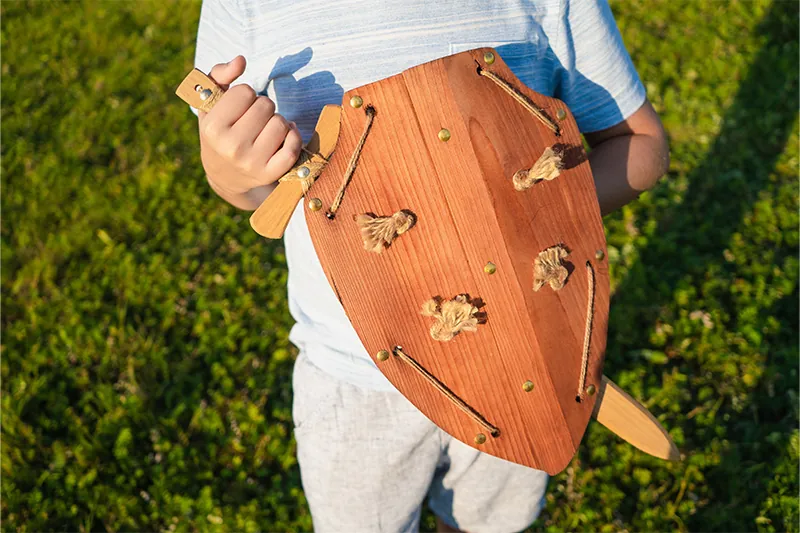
(689,246)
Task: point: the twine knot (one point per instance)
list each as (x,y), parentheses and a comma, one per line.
(549,268)
(305,170)
(547,167)
(452,317)
(379,232)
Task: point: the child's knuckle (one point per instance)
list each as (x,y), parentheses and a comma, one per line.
(209,129)
(281,122)
(242,91)
(234,149)
(267,104)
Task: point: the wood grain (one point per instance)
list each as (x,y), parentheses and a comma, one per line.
(468,214)
(187,90)
(629,419)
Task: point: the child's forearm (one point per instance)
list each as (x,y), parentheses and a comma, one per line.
(626,166)
(629,158)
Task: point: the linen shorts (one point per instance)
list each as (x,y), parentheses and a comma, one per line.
(368,459)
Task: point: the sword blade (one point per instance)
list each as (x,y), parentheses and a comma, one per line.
(631,421)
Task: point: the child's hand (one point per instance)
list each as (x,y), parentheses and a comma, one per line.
(244,145)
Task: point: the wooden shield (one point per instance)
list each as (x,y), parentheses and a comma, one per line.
(521,369)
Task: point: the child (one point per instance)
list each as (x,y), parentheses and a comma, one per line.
(367,456)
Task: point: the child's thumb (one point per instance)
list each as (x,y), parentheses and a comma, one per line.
(225,73)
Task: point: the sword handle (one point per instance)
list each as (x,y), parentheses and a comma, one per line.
(199,91)
(273,215)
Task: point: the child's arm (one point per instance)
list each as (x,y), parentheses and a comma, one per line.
(595,76)
(627,159)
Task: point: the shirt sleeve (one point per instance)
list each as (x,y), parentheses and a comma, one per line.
(596,77)
(221,35)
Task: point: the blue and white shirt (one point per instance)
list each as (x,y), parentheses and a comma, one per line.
(305,54)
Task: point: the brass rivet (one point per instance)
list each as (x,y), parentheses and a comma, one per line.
(480,438)
(488,57)
(591,390)
(561,114)
(356,101)
(490,268)
(444,135)
(599,255)
(315,204)
(383,355)
(527,386)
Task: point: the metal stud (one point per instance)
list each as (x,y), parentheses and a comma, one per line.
(488,57)
(356,101)
(444,135)
(527,386)
(561,114)
(315,204)
(198,88)
(599,255)
(490,268)
(591,390)
(205,94)
(383,355)
(480,438)
(303,172)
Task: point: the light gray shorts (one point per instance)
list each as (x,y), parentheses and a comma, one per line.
(368,459)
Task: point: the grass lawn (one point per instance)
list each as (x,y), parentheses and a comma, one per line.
(145,362)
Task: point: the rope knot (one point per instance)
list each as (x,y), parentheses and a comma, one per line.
(453,316)
(548,167)
(306,170)
(379,232)
(548,267)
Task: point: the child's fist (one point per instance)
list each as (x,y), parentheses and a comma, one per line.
(244,144)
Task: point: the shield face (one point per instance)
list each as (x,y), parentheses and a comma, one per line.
(520,369)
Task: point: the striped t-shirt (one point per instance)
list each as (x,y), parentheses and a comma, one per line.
(305,54)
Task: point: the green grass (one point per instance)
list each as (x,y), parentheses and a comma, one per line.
(146,370)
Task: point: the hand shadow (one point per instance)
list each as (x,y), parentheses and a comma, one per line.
(301,100)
